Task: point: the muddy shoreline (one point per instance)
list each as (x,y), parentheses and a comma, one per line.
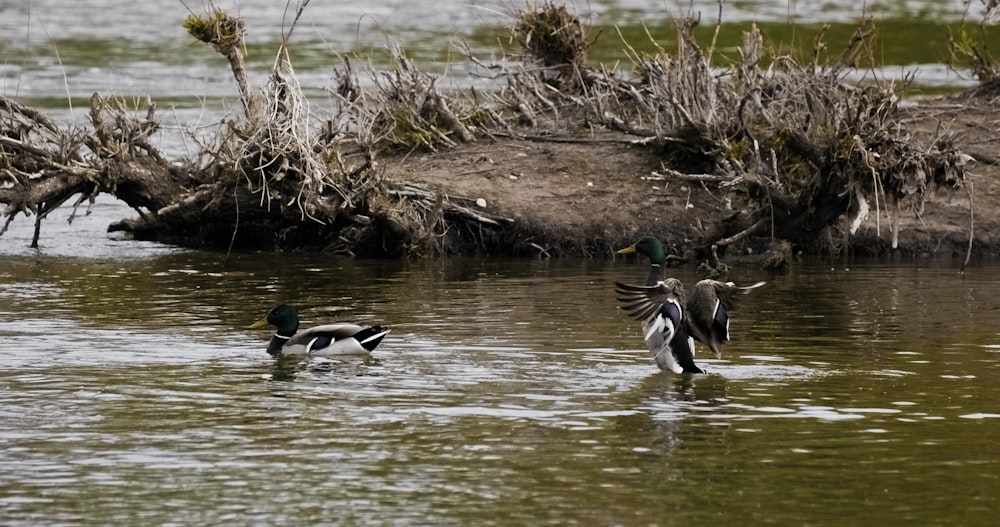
(585,194)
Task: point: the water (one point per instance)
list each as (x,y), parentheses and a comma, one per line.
(56,53)
(508,393)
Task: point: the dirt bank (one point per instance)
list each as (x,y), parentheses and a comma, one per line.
(571,193)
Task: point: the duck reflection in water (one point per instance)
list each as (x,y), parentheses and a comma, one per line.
(287,367)
(667,403)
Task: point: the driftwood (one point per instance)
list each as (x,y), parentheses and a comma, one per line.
(791,143)
(270,181)
(44,164)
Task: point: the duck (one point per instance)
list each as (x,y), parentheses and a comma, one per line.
(671,319)
(661,308)
(326,340)
(708,311)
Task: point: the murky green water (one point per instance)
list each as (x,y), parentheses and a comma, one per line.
(508,393)
(59,51)
(55,54)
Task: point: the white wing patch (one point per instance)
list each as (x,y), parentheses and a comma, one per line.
(656,325)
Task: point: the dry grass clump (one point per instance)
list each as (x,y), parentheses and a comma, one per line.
(217,28)
(553,37)
(406,111)
(801,144)
(794,139)
(296,173)
(327,175)
(226,34)
(273,148)
(279,158)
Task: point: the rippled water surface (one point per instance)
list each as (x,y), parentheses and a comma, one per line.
(508,393)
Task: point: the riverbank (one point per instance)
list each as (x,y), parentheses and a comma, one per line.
(588,193)
(777,156)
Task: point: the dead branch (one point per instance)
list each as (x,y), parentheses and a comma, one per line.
(667,173)
(753,229)
(226,34)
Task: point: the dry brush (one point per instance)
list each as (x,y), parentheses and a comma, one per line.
(807,155)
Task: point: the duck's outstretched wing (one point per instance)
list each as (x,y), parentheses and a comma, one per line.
(660,308)
(643,301)
(708,311)
(335,339)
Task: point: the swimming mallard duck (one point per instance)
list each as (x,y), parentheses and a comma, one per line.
(330,339)
(672,321)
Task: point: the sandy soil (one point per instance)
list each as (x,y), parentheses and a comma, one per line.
(570,191)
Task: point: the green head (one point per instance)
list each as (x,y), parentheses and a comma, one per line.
(650,248)
(284,317)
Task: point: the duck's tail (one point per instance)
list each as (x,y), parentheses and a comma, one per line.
(369,338)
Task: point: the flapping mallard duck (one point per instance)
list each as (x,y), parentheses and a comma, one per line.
(671,320)
(708,311)
(326,340)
